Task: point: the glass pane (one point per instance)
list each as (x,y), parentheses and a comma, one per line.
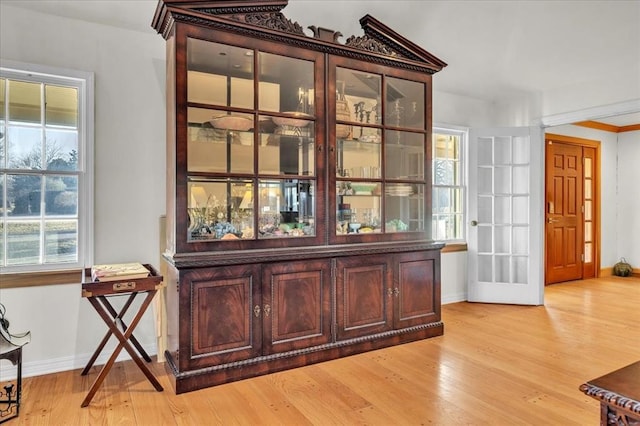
(587,210)
(502,269)
(502,241)
(24,195)
(219,74)
(358,207)
(587,189)
(2,104)
(520,147)
(3,149)
(357,99)
(23,243)
(485,239)
(521,180)
(502,210)
(485,268)
(444,172)
(441,200)
(520,209)
(288,149)
(404,106)
(485,209)
(404,155)
(502,182)
(286,84)
(62,149)
(588,253)
(485,151)
(520,240)
(61,195)
(61,106)
(220,210)
(2,259)
(502,146)
(360,159)
(61,241)
(219,142)
(587,231)
(520,270)
(286,208)
(485,180)
(457,200)
(25,102)
(587,167)
(24,148)
(404,207)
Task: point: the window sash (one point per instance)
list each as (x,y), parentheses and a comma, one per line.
(82,221)
(448,161)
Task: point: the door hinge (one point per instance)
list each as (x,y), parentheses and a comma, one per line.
(582,257)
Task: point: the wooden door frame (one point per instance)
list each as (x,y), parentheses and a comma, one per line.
(588,143)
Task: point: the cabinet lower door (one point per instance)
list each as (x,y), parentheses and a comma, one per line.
(225,324)
(296,305)
(416,288)
(363,296)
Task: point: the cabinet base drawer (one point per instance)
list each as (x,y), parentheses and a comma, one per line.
(187,381)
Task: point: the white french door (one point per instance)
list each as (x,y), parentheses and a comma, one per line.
(505,216)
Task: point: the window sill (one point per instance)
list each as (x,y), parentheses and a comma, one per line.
(35,279)
(454,247)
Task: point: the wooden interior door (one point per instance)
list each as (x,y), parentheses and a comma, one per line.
(564,215)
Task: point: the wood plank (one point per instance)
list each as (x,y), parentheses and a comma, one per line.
(495,364)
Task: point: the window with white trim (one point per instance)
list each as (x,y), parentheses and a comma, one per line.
(46,162)
(448,185)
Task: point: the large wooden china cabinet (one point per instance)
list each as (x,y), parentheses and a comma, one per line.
(298,191)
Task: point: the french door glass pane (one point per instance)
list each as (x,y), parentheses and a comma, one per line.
(502,181)
(502,210)
(502,149)
(485,151)
(520,270)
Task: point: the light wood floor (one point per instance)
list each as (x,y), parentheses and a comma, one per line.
(495,365)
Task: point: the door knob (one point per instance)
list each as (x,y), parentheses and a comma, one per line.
(474,223)
(552,220)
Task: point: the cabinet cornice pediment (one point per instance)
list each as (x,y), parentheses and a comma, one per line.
(265,18)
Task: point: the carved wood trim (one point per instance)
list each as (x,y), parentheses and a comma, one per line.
(611,398)
(252,20)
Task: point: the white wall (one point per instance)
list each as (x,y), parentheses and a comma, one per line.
(628,197)
(130,170)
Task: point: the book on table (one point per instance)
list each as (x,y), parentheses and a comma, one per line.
(118,271)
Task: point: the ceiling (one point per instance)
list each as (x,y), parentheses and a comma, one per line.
(496,50)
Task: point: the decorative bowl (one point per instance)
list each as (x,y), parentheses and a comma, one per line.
(363,188)
(299,119)
(232,122)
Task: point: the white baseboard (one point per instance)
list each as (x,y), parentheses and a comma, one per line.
(39,368)
(454,298)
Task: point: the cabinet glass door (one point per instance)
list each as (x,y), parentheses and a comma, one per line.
(251,148)
(381,151)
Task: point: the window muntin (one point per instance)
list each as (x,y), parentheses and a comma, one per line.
(43,169)
(448,185)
